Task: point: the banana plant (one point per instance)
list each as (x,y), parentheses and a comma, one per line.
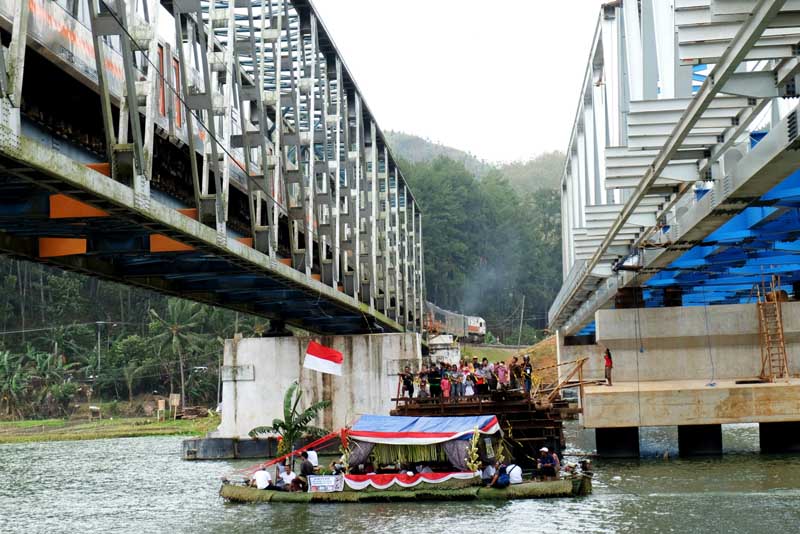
(295,423)
(14,380)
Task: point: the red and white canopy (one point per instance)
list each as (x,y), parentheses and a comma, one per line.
(400,430)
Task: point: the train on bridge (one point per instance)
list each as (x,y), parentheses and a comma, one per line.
(466,328)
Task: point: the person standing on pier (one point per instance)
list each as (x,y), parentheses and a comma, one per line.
(501,372)
(435,381)
(515,373)
(408,382)
(527,373)
(609,364)
(423,382)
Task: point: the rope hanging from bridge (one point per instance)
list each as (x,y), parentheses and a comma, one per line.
(638,334)
(711,382)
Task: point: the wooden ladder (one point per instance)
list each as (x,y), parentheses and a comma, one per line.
(774,363)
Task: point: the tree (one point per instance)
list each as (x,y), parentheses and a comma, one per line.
(295,424)
(178,333)
(129,354)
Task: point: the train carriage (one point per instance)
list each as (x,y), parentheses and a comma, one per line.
(468,328)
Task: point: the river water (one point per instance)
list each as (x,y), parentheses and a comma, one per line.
(142,485)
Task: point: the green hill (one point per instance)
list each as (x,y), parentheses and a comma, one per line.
(416,149)
(541,172)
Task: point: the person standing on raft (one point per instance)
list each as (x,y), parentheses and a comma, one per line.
(609,364)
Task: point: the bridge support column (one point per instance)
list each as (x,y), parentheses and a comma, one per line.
(257,372)
(779,437)
(620,442)
(699,440)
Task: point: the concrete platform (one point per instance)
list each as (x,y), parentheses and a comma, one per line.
(690,402)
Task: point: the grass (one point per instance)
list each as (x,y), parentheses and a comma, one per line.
(492,354)
(66,430)
(543,354)
(33,423)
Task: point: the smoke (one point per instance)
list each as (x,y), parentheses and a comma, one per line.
(490,288)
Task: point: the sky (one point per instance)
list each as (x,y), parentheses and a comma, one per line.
(497,78)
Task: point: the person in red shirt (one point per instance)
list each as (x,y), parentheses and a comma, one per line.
(609,366)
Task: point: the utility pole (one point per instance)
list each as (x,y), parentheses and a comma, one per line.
(98,346)
(521,316)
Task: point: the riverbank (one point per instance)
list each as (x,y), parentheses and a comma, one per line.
(117,427)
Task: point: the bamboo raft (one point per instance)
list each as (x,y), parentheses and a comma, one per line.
(579,485)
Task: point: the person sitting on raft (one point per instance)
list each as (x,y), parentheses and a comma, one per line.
(313,457)
(337,466)
(546,465)
(504,475)
(487,474)
(262,480)
(288,477)
(306,470)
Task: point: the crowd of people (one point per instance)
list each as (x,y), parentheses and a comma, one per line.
(465,379)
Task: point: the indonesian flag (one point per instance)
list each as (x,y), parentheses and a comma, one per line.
(323,359)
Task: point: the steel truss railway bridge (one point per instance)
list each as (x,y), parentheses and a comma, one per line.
(679,198)
(218,150)
(680,177)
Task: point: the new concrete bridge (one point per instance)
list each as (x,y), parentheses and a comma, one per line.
(217,150)
(679,199)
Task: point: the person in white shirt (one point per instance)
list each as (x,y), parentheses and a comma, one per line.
(514,473)
(287,477)
(262,479)
(313,458)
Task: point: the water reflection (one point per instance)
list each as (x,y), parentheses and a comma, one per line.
(141,485)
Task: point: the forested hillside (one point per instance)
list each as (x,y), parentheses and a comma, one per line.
(490,237)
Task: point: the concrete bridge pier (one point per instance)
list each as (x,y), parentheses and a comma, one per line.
(621,442)
(699,440)
(779,437)
(257,372)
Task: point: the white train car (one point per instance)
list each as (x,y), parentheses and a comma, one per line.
(468,328)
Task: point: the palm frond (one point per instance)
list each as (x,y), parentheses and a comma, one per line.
(287,401)
(259,430)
